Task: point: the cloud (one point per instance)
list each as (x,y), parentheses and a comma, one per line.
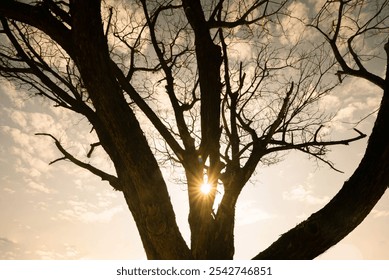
(346,114)
(17,99)
(35,187)
(66,253)
(6,242)
(379,213)
(101,217)
(17,136)
(34,122)
(19,118)
(304,194)
(356,99)
(293,26)
(248,213)
(9,249)
(330,102)
(88,212)
(8,190)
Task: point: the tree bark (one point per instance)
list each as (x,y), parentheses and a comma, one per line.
(208,63)
(121,136)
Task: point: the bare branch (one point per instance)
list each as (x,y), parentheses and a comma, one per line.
(283,145)
(92,148)
(174,145)
(243,19)
(113,181)
(336,40)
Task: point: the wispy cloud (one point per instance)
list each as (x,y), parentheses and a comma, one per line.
(86,212)
(9,249)
(36,187)
(293,26)
(379,213)
(249,213)
(304,194)
(9,190)
(16,99)
(66,253)
(357,98)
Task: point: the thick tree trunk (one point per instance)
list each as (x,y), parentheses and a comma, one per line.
(200,213)
(209,60)
(118,130)
(121,136)
(222,245)
(350,206)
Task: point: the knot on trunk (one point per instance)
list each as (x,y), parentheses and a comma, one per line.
(155,220)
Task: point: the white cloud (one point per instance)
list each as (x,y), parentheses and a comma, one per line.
(304,194)
(41,122)
(346,114)
(330,102)
(35,187)
(248,213)
(8,248)
(17,136)
(88,212)
(293,26)
(379,213)
(16,98)
(8,190)
(357,99)
(101,217)
(19,118)
(30,164)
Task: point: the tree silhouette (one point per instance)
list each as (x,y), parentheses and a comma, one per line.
(219,112)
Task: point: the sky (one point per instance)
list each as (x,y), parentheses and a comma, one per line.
(59,211)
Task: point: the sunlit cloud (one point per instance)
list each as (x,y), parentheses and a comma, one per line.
(17,135)
(8,190)
(356,99)
(88,213)
(41,205)
(304,194)
(19,118)
(330,102)
(101,217)
(249,213)
(9,249)
(29,164)
(379,213)
(68,252)
(35,187)
(17,99)
(293,26)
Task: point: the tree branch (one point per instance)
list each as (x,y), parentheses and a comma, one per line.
(155,120)
(40,17)
(181,124)
(283,145)
(242,20)
(113,181)
(92,148)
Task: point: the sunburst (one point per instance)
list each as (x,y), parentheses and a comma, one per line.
(205,188)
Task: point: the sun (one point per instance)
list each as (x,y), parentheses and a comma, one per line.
(205,188)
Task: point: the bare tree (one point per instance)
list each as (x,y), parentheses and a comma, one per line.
(219,114)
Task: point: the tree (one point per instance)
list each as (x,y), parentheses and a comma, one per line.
(116,63)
